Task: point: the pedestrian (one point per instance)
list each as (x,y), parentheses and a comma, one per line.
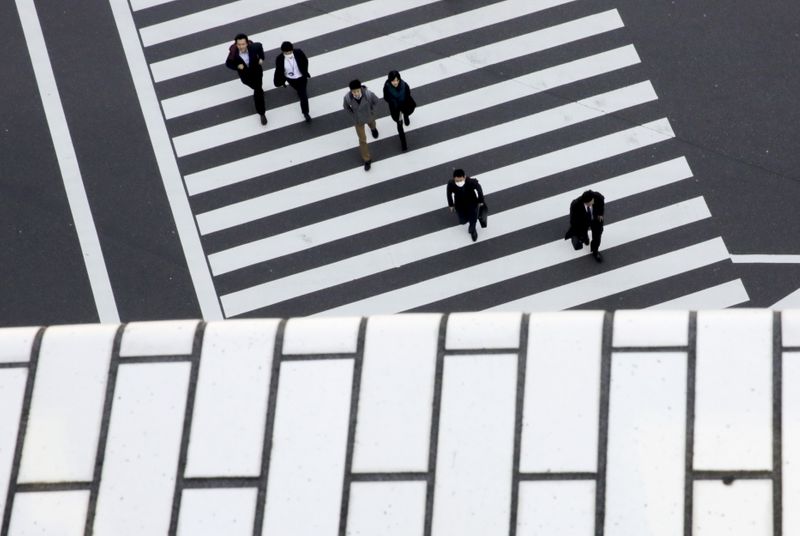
(361,102)
(291,66)
(465,196)
(586,213)
(397,94)
(246,57)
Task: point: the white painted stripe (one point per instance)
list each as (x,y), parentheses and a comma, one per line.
(743,507)
(304,491)
(136,5)
(524,262)
(556,508)
(163,337)
(67,404)
(12,390)
(396,255)
(474,459)
(717,297)
(243,212)
(394,410)
(622,279)
(141,456)
(68,164)
(646,437)
(209,18)
(766,259)
(49,513)
(734,390)
(386,508)
(466,103)
(167,165)
(562,393)
(790,430)
(792,301)
(232,386)
(16,345)
(303,30)
(217,511)
(427,73)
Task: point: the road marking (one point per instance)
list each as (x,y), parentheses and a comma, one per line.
(167,165)
(85,228)
(792,301)
(766,259)
(716,297)
(137,5)
(523,262)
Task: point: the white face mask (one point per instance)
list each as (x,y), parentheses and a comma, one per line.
(460,183)
(290,55)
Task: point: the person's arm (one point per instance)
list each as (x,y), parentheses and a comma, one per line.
(599,206)
(259,52)
(450,202)
(302,62)
(232,62)
(279,78)
(479,190)
(346,105)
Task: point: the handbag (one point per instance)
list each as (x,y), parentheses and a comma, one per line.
(483,215)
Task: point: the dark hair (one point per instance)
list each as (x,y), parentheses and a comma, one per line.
(459,173)
(587,196)
(286,46)
(241,36)
(392,75)
(355,84)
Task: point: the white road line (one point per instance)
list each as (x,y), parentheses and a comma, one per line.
(397,210)
(716,297)
(436,243)
(167,165)
(91,250)
(523,262)
(341,19)
(209,18)
(137,5)
(622,279)
(792,301)
(435,71)
(343,58)
(766,259)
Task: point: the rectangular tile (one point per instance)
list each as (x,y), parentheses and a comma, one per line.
(477,331)
(651,328)
(16,344)
(166,337)
(552,508)
(394,406)
(386,509)
(790,321)
(646,444)
(228,512)
(475,445)
(141,456)
(733,390)
(791,443)
(49,513)
(744,507)
(67,404)
(306,472)
(321,335)
(230,404)
(562,392)
(12,391)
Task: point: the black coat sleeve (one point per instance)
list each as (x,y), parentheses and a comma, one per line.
(478,190)
(279,78)
(302,62)
(599,206)
(450,187)
(233,60)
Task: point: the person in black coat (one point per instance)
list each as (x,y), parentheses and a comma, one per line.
(246,57)
(465,196)
(586,213)
(291,66)
(397,94)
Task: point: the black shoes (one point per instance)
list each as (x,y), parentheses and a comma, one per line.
(367,165)
(308,118)
(263,119)
(597,256)
(404,146)
(474,234)
(374,132)
(406,120)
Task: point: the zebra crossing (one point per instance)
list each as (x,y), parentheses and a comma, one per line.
(538,100)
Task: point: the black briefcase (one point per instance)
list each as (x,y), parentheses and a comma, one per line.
(483,215)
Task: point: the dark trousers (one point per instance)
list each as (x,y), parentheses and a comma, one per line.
(258,93)
(468,215)
(402,134)
(597,233)
(300,85)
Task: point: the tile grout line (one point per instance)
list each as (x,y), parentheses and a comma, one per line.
(269,425)
(351,433)
(435,416)
(23,426)
(522,360)
(602,433)
(777,423)
(688,468)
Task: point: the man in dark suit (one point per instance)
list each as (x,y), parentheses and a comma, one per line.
(585,213)
(291,66)
(465,196)
(246,57)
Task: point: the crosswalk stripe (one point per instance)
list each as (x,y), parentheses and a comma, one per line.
(622,279)
(716,297)
(341,19)
(419,76)
(429,200)
(436,243)
(208,18)
(523,262)
(365,51)
(137,5)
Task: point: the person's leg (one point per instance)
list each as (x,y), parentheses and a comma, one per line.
(402,134)
(473,219)
(373,128)
(301,86)
(362,142)
(258,94)
(597,233)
